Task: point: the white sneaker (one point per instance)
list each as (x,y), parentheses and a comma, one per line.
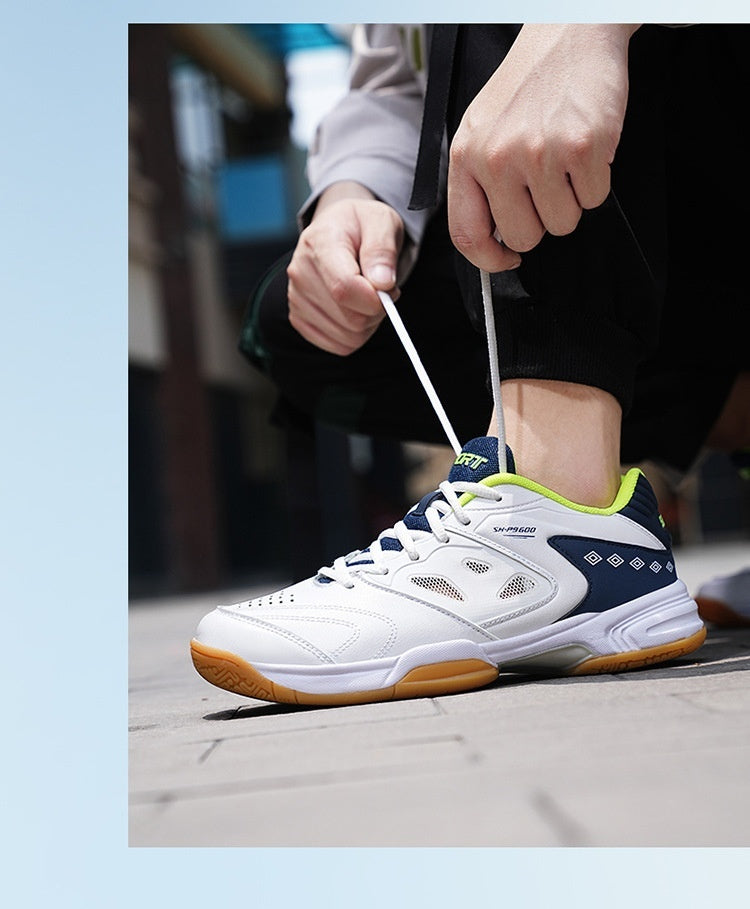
(491,572)
(725,600)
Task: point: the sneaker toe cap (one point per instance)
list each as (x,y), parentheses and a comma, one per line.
(256,640)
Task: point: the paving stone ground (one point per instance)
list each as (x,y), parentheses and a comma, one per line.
(654,757)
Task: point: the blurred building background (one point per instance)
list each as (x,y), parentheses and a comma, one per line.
(219,119)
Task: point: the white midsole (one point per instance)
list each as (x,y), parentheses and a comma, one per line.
(653,620)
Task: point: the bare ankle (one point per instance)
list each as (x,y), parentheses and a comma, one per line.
(566,437)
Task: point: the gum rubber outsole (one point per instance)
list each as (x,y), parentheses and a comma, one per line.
(230,672)
(720,614)
(636,659)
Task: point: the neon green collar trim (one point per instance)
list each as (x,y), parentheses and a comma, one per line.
(625,493)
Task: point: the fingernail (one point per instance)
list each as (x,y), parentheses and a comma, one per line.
(382,274)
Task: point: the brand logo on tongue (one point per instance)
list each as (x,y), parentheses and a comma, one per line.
(472,461)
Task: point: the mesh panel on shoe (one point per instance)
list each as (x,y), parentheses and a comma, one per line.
(438,585)
(515,586)
(476,566)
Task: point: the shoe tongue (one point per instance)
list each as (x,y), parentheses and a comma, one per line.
(477,460)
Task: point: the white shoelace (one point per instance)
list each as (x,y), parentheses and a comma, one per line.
(371,561)
(489,321)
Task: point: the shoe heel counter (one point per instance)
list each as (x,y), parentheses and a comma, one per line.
(643,508)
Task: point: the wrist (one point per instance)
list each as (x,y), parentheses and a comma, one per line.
(345,189)
(617,32)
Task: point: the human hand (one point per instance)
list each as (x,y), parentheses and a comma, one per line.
(534,147)
(343,257)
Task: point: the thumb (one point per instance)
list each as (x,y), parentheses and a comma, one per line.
(378,253)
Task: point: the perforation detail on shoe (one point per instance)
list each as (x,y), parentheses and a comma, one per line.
(515,586)
(438,585)
(280,598)
(476,566)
